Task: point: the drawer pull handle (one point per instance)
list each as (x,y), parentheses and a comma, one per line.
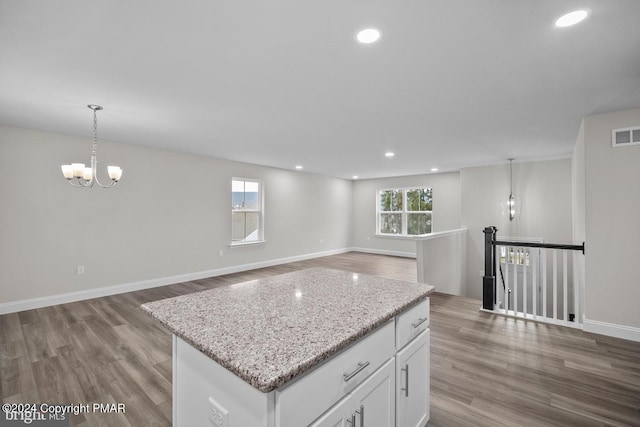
(361,366)
(352,421)
(361,413)
(406,378)
(420,322)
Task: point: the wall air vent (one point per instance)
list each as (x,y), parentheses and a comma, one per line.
(625,136)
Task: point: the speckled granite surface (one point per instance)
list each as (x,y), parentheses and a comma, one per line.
(271,330)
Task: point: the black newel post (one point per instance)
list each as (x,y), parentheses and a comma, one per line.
(489,279)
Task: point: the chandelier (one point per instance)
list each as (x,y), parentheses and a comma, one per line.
(80,176)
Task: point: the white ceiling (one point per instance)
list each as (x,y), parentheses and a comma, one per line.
(452,83)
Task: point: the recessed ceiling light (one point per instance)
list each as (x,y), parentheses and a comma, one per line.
(355,177)
(298,167)
(389,154)
(434,169)
(368,35)
(571,18)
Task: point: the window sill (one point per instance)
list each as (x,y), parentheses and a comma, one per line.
(252,243)
(400,236)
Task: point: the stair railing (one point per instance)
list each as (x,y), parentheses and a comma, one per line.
(525,287)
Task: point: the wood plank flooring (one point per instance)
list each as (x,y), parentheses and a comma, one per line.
(486,370)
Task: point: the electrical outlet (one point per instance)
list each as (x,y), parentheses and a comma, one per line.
(221,252)
(80,269)
(321,241)
(218,416)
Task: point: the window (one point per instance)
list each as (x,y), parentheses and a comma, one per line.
(246,211)
(404,211)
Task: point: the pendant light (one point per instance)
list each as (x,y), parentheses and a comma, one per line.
(511,203)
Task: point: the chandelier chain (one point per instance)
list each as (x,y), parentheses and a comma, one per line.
(95,132)
(511,175)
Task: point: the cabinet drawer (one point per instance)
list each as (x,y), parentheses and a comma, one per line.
(410,323)
(301,402)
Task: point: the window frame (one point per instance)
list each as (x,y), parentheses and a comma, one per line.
(259,210)
(404,212)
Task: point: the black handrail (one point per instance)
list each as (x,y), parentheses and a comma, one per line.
(539,245)
(489,278)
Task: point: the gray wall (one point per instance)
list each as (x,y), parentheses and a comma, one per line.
(472,199)
(543,192)
(170,215)
(579,208)
(446,210)
(442,261)
(612,229)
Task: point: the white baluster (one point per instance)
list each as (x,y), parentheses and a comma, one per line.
(555,284)
(534,285)
(506,282)
(564,287)
(576,286)
(544,283)
(516,252)
(524,284)
(498,278)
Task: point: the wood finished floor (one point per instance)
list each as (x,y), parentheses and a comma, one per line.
(486,370)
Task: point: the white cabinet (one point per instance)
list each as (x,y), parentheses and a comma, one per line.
(398,393)
(304,400)
(412,383)
(340,415)
(374,401)
(371,404)
(411,323)
(364,385)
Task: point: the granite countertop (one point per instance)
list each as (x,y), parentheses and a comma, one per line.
(271,330)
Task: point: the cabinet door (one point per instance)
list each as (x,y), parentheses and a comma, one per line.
(373,401)
(337,416)
(412,383)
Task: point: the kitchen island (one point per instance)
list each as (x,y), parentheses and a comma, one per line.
(312,347)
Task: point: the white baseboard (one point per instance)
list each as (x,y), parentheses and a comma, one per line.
(384,252)
(29,304)
(611,329)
